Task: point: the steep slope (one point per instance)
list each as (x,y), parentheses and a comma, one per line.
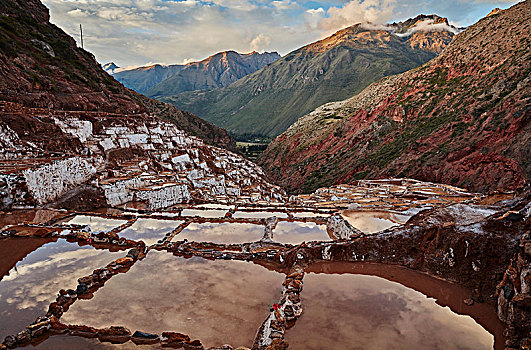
(143,78)
(41,66)
(219,70)
(71,136)
(267,102)
(462,119)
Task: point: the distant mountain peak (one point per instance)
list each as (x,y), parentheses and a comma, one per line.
(110,67)
(496,11)
(220,69)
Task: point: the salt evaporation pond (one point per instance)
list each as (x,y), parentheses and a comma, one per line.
(349,306)
(370,222)
(96,223)
(258,214)
(149,230)
(222,233)
(298,232)
(198,297)
(34,270)
(204,213)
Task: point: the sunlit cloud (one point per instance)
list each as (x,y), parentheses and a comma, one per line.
(135,32)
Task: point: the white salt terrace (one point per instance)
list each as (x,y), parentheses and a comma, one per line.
(192,170)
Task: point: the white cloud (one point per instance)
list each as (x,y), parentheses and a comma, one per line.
(429,26)
(260,43)
(283,5)
(358,11)
(133,32)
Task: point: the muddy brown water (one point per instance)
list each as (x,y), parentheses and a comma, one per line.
(30,216)
(370,222)
(298,232)
(372,306)
(149,230)
(218,302)
(226,233)
(258,214)
(204,213)
(36,270)
(96,223)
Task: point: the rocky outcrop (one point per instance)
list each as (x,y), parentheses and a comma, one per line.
(514,291)
(461,119)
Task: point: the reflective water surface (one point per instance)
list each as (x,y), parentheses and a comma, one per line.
(221,233)
(346,306)
(258,214)
(149,230)
(217,302)
(34,280)
(374,221)
(204,213)
(97,224)
(298,232)
(30,216)
(66,342)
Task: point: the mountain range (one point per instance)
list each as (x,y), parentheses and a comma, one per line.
(463,119)
(268,101)
(218,70)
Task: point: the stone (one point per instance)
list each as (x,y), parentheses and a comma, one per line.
(141,338)
(24,337)
(82,331)
(133,253)
(56,324)
(87,280)
(194,344)
(278,344)
(82,288)
(468,302)
(10,341)
(127,261)
(84,236)
(55,310)
(174,339)
(114,334)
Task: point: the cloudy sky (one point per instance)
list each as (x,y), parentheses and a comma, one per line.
(139,32)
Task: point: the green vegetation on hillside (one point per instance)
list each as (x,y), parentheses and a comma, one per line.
(270,100)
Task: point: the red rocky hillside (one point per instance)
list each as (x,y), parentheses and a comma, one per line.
(462,119)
